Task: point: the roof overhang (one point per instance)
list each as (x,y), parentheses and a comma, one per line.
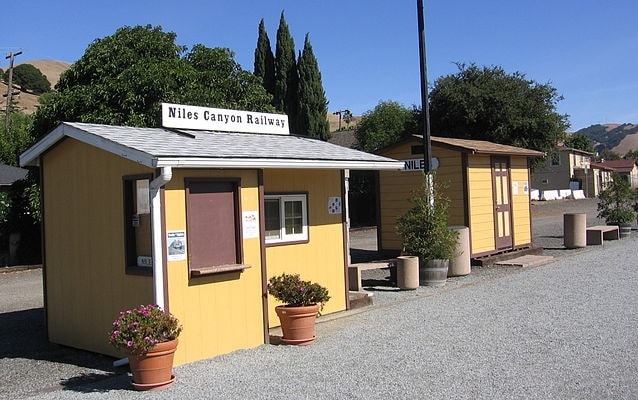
(269,163)
(31,157)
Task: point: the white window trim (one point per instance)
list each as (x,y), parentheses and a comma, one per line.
(283,237)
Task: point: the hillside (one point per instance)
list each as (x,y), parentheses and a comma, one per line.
(52,69)
(619,138)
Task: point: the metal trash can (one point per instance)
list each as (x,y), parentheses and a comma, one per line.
(408,272)
(575,230)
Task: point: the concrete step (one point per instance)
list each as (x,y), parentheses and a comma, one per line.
(359,299)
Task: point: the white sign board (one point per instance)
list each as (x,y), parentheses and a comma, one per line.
(418,164)
(250,224)
(217,119)
(176,243)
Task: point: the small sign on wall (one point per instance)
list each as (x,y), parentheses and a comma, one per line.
(176,242)
(334,205)
(250,224)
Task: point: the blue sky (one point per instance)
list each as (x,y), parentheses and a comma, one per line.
(368,50)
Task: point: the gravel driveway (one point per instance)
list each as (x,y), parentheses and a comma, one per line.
(562,330)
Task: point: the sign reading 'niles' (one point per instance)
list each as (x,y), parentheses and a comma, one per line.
(181,116)
(418,164)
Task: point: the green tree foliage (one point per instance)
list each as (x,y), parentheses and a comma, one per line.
(264,60)
(29,78)
(123,79)
(286,75)
(219,81)
(384,125)
(313,105)
(489,104)
(580,142)
(632,155)
(609,155)
(16,139)
(20,202)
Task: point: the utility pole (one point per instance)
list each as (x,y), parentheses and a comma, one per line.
(11,58)
(427,149)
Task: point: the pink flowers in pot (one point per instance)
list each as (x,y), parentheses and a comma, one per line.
(137,330)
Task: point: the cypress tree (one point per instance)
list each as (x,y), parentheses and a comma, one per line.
(313,106)
(264,60)
(286,75)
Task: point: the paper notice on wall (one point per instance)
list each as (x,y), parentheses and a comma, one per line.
(176,242)
(515,188)
(334,205)
(526,187)
(250,224)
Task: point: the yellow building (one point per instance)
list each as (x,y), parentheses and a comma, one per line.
(194,221)
(487,183)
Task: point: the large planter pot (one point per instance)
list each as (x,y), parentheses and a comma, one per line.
(624,228)
(154,370)
(433,272)
(298,324)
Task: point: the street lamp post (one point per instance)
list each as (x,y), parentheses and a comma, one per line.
(425,107)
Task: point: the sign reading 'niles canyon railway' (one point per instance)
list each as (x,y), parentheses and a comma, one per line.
(181,116)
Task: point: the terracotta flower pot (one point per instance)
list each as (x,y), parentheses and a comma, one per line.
(298,324)
(154,370)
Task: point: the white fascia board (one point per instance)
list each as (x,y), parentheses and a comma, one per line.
(31,156)
(267,163)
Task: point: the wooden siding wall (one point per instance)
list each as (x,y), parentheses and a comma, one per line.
(396,188)
(481,202)
(222,312)
(521,213)
(84,270)
(469,186)
(322,259)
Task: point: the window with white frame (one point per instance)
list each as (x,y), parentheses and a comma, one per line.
(286,218)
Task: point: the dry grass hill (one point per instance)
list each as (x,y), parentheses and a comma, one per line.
(620,138)
(51,69)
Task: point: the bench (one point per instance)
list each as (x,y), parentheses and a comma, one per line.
(596,234)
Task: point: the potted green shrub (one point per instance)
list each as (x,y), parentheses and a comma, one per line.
(148,335)
(617,204)
(303,301)
(425,233)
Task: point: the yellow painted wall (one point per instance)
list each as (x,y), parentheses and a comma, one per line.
(521,201)
(322,259)
(481,202)
(396,188)
(84,271)
(222,312)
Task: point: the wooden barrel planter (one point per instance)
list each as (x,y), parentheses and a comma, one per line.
(433,272)
(624,230)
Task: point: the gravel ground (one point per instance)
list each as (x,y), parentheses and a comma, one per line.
(564,330)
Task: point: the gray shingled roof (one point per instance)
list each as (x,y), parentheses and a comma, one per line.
(160,146)
(9,174)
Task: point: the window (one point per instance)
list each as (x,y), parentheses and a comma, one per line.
(555,159)
(214,237)
(137,224)
(286,218)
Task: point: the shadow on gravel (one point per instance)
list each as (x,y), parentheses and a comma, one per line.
(89,383)
(23,335)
